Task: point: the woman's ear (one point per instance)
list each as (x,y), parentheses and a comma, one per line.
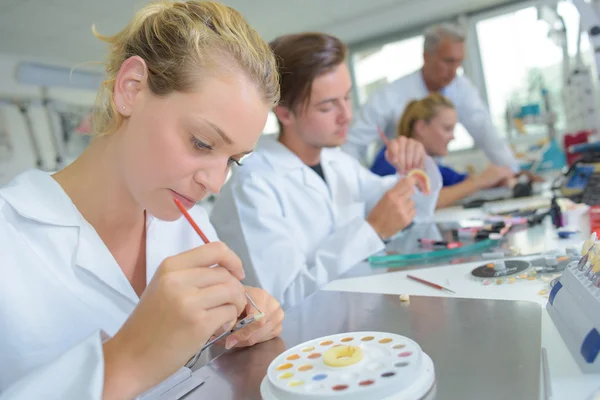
(419,128)
(131,79)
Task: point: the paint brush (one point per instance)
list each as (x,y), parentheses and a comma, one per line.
(205,239)
(431,284)
(383,137)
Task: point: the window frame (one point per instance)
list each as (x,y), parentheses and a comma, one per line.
(480,83)
(472,65)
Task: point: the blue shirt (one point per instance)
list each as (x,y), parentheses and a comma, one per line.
(382,167)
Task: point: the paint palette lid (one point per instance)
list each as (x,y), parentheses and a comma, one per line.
(357,365)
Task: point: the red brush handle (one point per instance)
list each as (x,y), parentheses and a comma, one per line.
(191,221)
(383,137)
(423,281)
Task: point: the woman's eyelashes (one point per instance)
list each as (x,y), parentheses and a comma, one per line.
(200,145)
(234,161)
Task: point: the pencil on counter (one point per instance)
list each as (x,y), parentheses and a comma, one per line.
(431,284)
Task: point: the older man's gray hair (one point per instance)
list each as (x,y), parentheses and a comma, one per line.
(436,33)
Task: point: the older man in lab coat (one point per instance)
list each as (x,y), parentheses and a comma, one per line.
(444,51)
(300,212)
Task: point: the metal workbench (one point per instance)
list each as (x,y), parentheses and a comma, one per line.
(482,349)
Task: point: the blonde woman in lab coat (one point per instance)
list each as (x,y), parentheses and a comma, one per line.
(431,121)
(443,54)
(301,212)
(99,249)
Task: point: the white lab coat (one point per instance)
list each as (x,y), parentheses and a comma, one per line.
(293,232)
(385,107)
(61,286)
(76,374)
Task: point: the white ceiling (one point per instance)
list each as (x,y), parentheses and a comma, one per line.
(59,30)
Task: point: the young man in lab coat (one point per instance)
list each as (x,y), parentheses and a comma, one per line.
(300,212)
(444,51)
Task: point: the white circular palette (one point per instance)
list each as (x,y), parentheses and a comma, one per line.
(393,367)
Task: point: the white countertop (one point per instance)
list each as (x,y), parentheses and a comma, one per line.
(567,380)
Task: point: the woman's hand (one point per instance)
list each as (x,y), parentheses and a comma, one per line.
(262,329)
(494,176)
(184,304)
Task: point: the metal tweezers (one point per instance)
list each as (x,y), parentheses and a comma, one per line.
(239,325)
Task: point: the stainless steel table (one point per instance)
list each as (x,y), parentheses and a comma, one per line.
(482,349)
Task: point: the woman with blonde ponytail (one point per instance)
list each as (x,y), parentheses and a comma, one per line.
(106,290)
(431,121)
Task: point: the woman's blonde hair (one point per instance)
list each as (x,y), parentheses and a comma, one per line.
(425,109)
(180,43)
